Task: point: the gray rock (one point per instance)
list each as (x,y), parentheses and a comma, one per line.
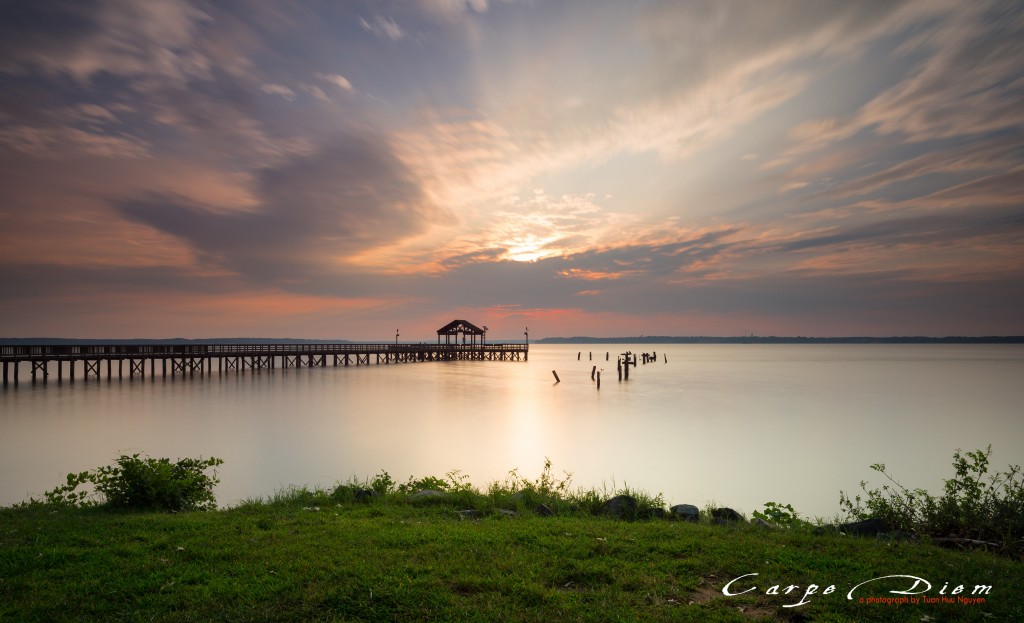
(504,512)
(365,495)
(544,510)
(725,514)
(471,513)
(686,512)
(757,521)
(621,506)
(867,527)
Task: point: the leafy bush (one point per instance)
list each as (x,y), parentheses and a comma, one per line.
(974,505)
(382,483)
(142,483)
(781,515)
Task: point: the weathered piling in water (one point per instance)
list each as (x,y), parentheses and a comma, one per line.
(599,380)
(618,367)
(593,370)
(557,380)
(578,355)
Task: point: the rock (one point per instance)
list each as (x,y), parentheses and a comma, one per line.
(544,510)
(428,494)
(757,521)
(621,506)
(504,512)
(365,495)
(726,514)
(868,527)
(471,513)
(686,512)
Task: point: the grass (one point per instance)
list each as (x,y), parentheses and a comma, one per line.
(327,556)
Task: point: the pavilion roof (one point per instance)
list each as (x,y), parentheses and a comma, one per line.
(460,326)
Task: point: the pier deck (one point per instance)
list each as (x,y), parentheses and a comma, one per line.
(186,360)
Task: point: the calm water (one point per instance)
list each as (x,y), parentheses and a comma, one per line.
(739,425)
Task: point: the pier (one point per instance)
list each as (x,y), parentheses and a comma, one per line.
(95,362)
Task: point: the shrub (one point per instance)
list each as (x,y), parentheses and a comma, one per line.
(142,483)
(783,515)
(974,504)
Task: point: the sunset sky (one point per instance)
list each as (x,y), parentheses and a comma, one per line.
(343,169)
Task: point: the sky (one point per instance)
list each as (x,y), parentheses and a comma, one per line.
(340,169)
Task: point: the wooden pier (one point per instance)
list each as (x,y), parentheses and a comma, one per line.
(95,362)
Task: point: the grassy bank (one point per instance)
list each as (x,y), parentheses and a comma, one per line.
(352,556)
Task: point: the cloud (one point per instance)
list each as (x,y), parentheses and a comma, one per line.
(59,142)
(995,154)
(277,89)
(448,8)
(978,46)
(976,43)
(382,27)
(314,211)
(316,92)
(337,80)
(118,37)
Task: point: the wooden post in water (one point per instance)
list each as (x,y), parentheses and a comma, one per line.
(592,371)
(599,380)
(5,374)
(618,366)
(60,371)
(578,355)
(557,380)
(590,356)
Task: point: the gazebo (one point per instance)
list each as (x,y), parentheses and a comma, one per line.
(464,328)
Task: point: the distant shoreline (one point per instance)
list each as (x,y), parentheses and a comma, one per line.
(646,339)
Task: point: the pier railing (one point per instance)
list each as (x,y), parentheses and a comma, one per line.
(24,352)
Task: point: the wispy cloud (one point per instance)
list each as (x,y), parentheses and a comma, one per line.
(382,27)
(337,80)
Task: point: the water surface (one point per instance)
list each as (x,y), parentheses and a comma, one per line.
(736,424)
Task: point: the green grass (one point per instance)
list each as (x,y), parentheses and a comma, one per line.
(322,556)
